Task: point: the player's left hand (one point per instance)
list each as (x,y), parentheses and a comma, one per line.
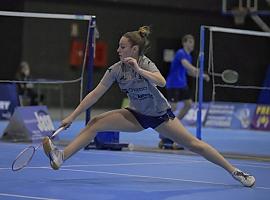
(132,62)
(206,77)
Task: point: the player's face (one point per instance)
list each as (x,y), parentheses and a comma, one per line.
(125,49)
(190,43)
(26,70)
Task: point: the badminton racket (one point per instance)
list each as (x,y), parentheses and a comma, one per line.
(228,76)
(26,155)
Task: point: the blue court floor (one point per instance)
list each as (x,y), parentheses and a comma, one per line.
(116,175)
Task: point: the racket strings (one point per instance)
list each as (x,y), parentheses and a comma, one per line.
(23,158)
(230,76)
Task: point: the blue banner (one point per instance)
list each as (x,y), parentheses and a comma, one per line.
(30,123)
(190,118)
(219,115)
(37,121)
(8,100)
(243,115)
(230,115)
(261,118)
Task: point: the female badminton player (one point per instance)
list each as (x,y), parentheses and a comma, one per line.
(138,77)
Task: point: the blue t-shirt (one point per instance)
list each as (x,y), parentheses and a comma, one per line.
(177,77)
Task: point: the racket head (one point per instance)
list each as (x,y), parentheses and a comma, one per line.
(229,76)
(23,158)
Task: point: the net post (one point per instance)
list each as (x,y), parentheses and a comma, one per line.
(201,58)
(90,63)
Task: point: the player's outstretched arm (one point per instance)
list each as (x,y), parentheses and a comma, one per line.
(87,102)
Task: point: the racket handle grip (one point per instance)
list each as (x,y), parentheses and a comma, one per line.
(57,131)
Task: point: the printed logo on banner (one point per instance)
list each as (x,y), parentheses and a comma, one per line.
(261,119)
(243,114)
(190,118)
(37,120)
(230,115)
(8,100)
(5,106)
(44,121)
(220,115)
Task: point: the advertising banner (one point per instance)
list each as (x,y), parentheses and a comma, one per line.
(29,123)
(261,118)
(190,118)
(219,115)
(230,115)
(8,100)
(243,114)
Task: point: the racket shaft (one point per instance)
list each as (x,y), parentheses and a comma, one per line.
(57,131)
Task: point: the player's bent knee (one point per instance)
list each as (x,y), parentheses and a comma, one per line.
(93,123)
(96,124)
(196,146)
(94,120)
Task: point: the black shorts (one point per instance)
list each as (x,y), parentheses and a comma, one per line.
(151,121)
(178,94)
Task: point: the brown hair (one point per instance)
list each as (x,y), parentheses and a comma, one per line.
(187,37)
(140,38)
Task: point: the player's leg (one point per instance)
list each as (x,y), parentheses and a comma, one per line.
(173,105)
(172,96)
(116,120)
(185,109)
(174,130)
(184,95)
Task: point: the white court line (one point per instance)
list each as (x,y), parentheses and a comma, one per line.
(179,158)
(252,165)
(154,163)
(159,178)
(25,197)
(64,168)
(172,157)
(122,164)
(102,165)
(9,168)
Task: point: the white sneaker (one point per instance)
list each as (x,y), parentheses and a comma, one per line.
(55,155)
(246,179)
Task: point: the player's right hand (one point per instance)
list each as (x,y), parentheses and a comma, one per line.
(206,77)
(66,122)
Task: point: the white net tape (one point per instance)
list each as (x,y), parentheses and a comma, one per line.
(49,79)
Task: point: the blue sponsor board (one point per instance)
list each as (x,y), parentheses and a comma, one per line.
(219,115)
(29,123)
(243,114)
(261,118)
(8,100)
(190,118)
(37,121)
(230,115)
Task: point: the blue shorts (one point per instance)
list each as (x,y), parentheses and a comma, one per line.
(151,121)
